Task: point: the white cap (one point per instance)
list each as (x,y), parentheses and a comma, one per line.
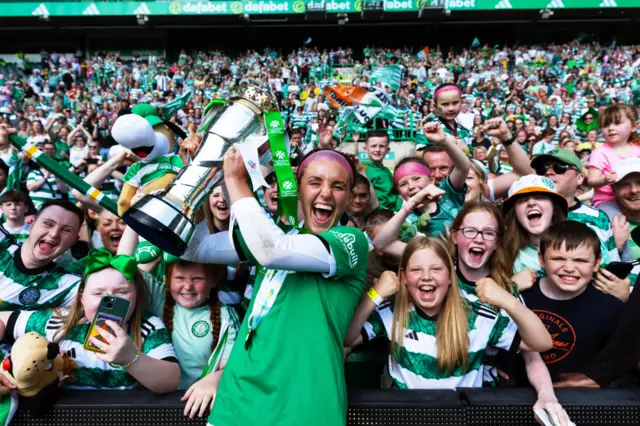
(626,167)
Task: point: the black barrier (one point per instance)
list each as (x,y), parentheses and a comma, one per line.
(473,407)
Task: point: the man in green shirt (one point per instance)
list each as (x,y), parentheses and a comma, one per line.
(377,146)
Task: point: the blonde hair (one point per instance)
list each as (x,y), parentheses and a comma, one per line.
(452,323)
(76,312)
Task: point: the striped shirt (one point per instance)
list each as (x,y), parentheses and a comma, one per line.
(416,365)
(468,292)
(140,174)
(91,373)
(20,288)
(21,234)
(599,222)
(48,191)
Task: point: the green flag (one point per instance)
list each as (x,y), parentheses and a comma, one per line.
(390,76)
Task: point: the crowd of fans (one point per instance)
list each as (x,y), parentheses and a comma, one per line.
(488,248)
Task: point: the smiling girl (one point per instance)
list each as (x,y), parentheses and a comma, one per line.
(532,207)
(202,329)
(447,99)
(139,351)
(619,124)
(308,284)
(412,175)
(437,339)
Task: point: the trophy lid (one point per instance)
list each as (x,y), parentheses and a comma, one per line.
(263,100)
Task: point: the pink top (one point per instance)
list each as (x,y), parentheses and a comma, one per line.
(605,159)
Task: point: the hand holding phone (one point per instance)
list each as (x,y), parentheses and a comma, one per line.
(106,337)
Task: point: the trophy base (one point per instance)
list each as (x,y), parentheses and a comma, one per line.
(160,223)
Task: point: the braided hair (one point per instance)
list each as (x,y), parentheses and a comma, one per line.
(214,274)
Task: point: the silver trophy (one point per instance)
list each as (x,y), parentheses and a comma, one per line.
(167,219)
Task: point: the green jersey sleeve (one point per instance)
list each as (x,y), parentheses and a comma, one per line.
(504,333)
(156,342)
(374,327)
(350,251)
(156,288)
(23,322)
(131,177)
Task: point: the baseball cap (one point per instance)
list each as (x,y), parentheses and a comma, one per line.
(533,184)
(562,155)
(626,167)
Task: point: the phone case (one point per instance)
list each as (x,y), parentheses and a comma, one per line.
(111,308)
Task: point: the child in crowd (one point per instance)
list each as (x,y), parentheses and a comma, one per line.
(448,105)
(412,175)
(619,124)
(139,351)
(377,146)
(533,205)
(579,316)
(14,207)
(437,339)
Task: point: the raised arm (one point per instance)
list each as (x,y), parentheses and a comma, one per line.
(387,239)
(97,178)
(268,244)
(383,288)
(533,332)
(434,133)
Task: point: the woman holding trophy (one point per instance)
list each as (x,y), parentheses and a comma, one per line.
(287,365)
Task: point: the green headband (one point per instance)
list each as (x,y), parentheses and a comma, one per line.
(100,259)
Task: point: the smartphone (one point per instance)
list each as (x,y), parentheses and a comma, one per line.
(92,161)
(111,308)
(620,269)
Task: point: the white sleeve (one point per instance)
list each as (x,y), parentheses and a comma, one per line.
(211,248)
(273,249)
(492,192)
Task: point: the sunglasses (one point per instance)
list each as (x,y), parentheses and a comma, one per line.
(558,169)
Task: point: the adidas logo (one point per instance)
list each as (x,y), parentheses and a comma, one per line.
(608,3)
(504,4)
(40,10)
(92,9)
(411,335)
(142,10)
(555,4)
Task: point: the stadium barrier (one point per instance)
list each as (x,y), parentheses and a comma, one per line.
(477,407)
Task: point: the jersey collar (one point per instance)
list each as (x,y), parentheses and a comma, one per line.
(17,260)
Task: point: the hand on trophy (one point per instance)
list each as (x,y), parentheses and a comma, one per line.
(234,168)
(190,145)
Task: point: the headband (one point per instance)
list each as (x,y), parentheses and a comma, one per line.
(100,259)
(411,168)
(326,154)
(444,89)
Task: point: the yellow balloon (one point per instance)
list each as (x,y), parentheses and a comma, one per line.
(304,95)
(317,91)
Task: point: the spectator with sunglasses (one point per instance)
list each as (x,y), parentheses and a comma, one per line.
(564,168)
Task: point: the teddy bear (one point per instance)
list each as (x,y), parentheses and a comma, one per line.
(36,368)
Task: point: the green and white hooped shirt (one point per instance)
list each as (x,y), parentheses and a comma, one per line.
(91,373)
(468,292)
(417,367)
(36,289)
(48,191)
(140,174)
(599,222)
(20,234)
